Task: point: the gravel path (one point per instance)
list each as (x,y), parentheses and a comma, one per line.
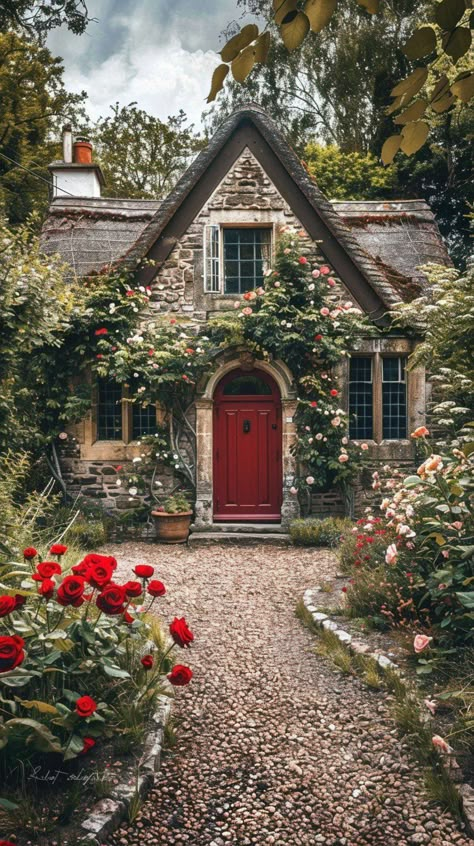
(273,747)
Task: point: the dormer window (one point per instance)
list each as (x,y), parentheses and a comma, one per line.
(235,258)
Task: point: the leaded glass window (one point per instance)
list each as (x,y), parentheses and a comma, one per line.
(143,420)
(109,411)
(246,256)
(361,398)
(394,398)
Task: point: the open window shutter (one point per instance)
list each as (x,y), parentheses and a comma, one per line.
(211,259)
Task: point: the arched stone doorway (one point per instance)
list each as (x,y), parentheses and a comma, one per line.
(271,373)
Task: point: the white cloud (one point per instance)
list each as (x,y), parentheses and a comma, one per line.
(161,56)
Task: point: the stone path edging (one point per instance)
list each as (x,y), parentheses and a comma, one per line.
(107,814)
(359,648)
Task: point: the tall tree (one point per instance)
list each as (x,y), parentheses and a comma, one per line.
(141,155)
(33,104)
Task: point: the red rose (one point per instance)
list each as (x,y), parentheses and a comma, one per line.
(133,588)
(180,675)
(7,605)
(144,571)
(80,569)
(11,652)
(58,549)
(156,588)
(85,706)
(89,742)
(46,588)
(99,355)
(303,260)
(99,575)
(127,618)
(318,337)
(95,558)
(112,599)
(102,331)
(46,569)
(70,591)
(147,661)
(29,553)
(314,404)
(180,632)
(129,293)
(6,843)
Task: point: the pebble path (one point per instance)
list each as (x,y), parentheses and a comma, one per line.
(273,746)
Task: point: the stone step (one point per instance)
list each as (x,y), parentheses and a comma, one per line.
(245,538)
(243,528)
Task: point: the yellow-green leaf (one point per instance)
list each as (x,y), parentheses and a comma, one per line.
(463,87)
(397,103)
(390,149)
(243,64)
(42,707)
(319,13)
(449,12)
(440,89)
(457,42)
(414,112)
(294,30)
(414,136)
(237,43)
(217,81)
(282,9)
(421,43)
(442,104)
(371,6)
(262,47)
(412,84)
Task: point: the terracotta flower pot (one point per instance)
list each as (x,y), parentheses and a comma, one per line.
(172,528)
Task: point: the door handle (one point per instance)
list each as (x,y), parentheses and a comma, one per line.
(246,426)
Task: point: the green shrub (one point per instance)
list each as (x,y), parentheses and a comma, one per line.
(315,532)
(87,535)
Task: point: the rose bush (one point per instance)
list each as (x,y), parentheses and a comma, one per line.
(421,575)
(75,645)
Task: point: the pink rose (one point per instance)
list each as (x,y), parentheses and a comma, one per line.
(364,446)
(421,642)
(457,525)
(293,490)
(343,458)
(247,311)
(324,269)
(324,311)
(303,260)
(310,480)
(421,432)
(391,554)
(315,274)
(440,743)
(331,282)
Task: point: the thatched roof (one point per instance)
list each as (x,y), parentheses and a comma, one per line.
(379,245)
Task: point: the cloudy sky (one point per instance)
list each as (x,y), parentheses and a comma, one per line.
(160,53)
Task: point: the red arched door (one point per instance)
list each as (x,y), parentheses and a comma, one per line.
(247,448)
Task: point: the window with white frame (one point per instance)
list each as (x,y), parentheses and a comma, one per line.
(235,258)
(377,397)
(119,420)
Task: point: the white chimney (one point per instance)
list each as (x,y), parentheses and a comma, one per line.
(76,175)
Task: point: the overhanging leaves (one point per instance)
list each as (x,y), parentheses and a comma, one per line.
(237,43)
(449,12)
(390,149)
(217,81)
(243,64)
(414,112)
(421,43)
(295,30)
(463,87)
(319,13)
(412,84)
(457,42)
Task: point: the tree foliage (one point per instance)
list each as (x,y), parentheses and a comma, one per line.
(33,104)
(37,19)
(348,176)
(141,155)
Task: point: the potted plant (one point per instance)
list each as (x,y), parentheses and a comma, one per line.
(172,519)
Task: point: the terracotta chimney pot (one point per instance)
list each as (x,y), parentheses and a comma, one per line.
(82,152)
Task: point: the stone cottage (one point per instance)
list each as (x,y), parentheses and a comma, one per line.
(210,241)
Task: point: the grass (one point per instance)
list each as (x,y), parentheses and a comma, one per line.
(405,711)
